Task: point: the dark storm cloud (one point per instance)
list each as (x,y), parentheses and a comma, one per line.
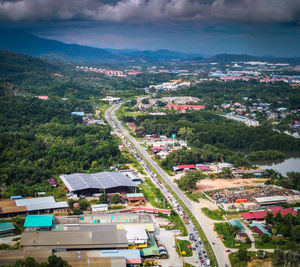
(254,11)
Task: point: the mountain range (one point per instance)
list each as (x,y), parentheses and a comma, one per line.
(26,43)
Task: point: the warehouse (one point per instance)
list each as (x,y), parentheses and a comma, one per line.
(92,258)
(272,200)
(91,183)
(9,208)
(101,236)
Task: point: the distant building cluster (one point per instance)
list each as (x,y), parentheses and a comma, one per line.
(184,108)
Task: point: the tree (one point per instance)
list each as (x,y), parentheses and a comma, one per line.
(278,257)
(269,218)
(145,101)
(103,198)
(83,204)
(54,261)
(242,254)
(140,131)
(295,233)
(115,199)
(77,211)
(265,238)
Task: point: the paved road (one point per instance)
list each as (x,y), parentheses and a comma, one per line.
(218,249)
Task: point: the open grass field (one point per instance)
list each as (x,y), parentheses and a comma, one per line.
(214,214)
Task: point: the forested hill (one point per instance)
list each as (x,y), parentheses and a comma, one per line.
(40,139)
(22,42)
(26,76)
(22,74)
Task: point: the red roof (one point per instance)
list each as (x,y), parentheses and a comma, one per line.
(133,261)
(52,181)
(255,215)
(275,209)
(260,215)
(203,168)
(190,166)
(163,211)
(257,230)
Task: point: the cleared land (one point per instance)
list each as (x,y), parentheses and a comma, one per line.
(214,184)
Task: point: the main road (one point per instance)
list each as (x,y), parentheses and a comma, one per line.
(218,249)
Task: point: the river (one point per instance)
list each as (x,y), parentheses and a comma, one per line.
(289,164)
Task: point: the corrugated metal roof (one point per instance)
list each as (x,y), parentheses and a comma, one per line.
(46,206)
(270,199)
(102,238)
(31,201)
(38,221)
(100,180)
(6,226)
(126,253)
(135,195)
(41,203)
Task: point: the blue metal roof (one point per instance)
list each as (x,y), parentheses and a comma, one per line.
(6,226)
(38,221)
(78,113)
(126,253)
(237,223)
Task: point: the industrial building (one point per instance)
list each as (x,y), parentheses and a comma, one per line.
(93,183)
(21,206)
(91,258)
(97,237)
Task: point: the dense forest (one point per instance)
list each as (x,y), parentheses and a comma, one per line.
(214,138)
(200,128)
(40,139)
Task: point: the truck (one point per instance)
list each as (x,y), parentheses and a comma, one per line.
(208,262)
(191,236)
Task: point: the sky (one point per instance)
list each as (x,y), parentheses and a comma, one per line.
(207,27)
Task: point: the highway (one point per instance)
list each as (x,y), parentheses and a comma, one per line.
(218,249)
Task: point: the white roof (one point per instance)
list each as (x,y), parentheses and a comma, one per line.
(271,199)
(136,234)
(41,203)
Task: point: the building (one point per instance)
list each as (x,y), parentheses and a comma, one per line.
(9,208)
(85,237)
(78,113)
(38,222)
(93,183)
(260,215)
(99,207)
(184,167)
(74,258)
(6,229)
(132,256)
(53,182)
(111,100)
(136,235)
(241,237)
(136,199)
(265,201)
(238,224)
(184,108)
(259,229)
